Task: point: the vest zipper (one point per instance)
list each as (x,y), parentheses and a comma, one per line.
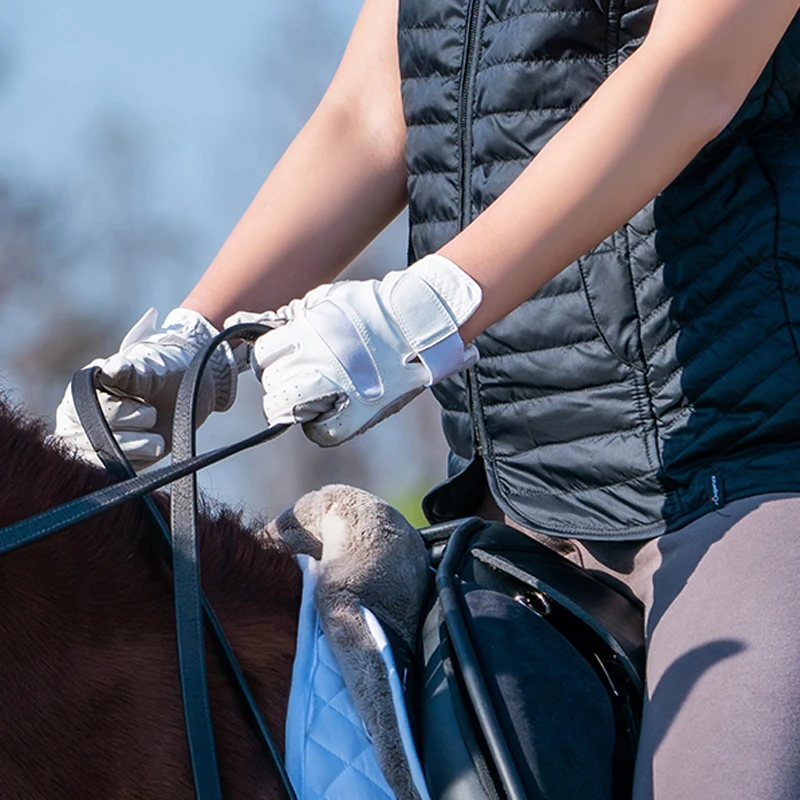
(465,107)
(472,396)
(465,140)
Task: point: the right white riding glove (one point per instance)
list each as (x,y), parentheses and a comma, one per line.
(139,385)
(350,353)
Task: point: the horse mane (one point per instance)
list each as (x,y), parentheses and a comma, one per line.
(88,654)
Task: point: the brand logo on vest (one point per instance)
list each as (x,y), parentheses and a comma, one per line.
(715,489)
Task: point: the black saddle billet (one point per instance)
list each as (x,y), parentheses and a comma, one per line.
(531,673)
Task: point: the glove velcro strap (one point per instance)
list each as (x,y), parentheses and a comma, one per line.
(427,325)
(430,301)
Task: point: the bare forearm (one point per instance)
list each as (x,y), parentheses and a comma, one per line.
(325,200)
(341,181)
(629,141)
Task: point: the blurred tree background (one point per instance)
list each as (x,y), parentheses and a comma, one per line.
(132,138)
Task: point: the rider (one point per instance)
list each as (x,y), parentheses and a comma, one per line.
(603,292)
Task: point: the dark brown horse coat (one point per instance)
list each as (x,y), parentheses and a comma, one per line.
(90,702)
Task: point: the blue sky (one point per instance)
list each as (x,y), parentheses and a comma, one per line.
(202,81)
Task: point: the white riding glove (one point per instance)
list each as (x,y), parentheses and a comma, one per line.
(140,384)
(351,353)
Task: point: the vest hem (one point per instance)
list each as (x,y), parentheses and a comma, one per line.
(769,471)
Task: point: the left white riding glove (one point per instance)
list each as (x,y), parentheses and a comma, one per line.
(351,353)
(139,385)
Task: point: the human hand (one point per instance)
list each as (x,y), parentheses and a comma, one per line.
(139,385)
(351,353)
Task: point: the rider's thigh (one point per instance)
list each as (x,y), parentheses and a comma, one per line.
(722,714)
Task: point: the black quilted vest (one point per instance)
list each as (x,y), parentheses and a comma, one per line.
(658,376)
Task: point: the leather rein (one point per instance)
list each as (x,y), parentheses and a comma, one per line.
(193,613)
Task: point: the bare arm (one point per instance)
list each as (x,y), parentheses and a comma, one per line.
(341,181)
(625,145)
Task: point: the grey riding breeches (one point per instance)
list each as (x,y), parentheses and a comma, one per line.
(721,718)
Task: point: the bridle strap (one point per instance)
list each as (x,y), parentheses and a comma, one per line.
(53,520)
(187,586)
(190,603)
(186,581)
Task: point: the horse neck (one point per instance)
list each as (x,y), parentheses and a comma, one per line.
(35,476)
(90,607)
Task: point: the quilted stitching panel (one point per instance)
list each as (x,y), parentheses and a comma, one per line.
(506,9)
(525,88)
(438,192)
(565,298)
(339,760)
(509,138)
(541,38)
(626,503)
(708,429)
(548,427)
(424,16)
(424,105)
(571,486)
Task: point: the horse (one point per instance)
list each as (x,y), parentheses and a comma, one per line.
(89,684)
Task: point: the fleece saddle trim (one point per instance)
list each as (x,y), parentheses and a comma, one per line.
(329,755)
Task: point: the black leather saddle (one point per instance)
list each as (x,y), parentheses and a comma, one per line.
(531,672)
